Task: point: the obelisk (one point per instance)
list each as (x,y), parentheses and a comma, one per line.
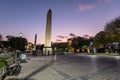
(35,41)
(47,46)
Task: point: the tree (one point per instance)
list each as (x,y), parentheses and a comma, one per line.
(110,34)
(100,39)
(79,42)
(17,43)
(112,30)
(1,37)
(60,46)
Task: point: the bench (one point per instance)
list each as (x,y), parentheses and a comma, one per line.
(10,62)
(12,67)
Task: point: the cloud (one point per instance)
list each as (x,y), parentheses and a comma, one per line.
(104,1)
(89,6)
(86,36)
(85,7)
(58,40)
(62,37)
(72,35)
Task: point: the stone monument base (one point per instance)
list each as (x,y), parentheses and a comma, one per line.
(47,51)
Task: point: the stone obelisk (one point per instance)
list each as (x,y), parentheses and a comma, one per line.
(35,41)
(47,46)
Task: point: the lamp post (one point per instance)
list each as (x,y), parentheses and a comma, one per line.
(54,54)
(19,41)
(20,34)
(92,48)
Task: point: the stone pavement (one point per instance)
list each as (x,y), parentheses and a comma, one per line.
(37,68)
(69,67)
(88,68)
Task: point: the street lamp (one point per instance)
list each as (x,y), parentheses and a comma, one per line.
(20,34)
(91,47)
(19,43)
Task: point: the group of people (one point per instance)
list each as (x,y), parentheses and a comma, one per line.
(113,48)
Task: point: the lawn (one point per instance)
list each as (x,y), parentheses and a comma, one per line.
(2,61)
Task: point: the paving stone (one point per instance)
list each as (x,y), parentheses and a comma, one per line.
(70,67)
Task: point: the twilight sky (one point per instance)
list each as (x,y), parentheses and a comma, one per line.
(79,17)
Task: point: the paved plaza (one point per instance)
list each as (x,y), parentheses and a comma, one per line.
(70,67)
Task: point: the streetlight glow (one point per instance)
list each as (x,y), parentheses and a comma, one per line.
(20,34)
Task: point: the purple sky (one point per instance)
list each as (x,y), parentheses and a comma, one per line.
(79,17)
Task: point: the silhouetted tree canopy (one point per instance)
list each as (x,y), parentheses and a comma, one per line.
(100,39)
(17,43)
(1,37)
(110,34)
(112,30)
(78,42)
(60,46)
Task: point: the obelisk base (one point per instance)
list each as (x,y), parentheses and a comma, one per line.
(47,51)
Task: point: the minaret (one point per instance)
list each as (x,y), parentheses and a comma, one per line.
(35,41)
(47,46)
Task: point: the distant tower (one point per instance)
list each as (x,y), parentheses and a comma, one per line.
(47,47)
(35,41)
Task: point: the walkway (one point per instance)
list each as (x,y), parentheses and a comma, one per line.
(70,67)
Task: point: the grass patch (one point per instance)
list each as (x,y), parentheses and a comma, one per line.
(2,59)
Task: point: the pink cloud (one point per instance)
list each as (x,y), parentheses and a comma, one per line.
(72,35)
(62,37)
(85,7)
(86,36)
(58,40)
(105,1)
